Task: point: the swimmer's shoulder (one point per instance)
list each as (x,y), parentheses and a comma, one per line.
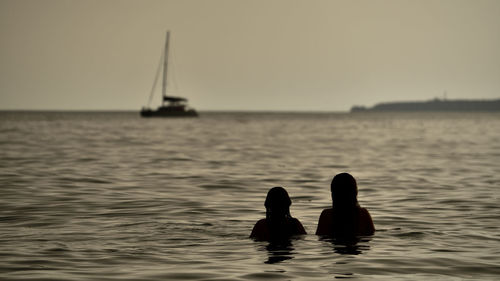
(299,228)
(260,223)
(367,226)
(364,214)
(324,223)
(260,231)
(326,214)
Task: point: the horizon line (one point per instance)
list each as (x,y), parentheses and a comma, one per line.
(207,110)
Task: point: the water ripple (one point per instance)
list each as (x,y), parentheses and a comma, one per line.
(111,196)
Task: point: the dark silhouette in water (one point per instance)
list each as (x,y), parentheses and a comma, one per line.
(346,219)
(279,251)
(278,225)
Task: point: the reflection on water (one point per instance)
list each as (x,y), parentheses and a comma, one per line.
(348,245)
(279,251)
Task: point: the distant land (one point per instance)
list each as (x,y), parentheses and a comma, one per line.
(434,105)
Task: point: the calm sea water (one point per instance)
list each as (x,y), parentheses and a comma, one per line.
(111,196)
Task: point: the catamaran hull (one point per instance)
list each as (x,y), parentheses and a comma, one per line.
(158,113)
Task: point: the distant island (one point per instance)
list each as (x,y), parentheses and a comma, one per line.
(434,105)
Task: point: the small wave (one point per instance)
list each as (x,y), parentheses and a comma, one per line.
(264,276)
(83,180)
(220,186)
(178,159)
(411,235)
(304,180)
(445,251)
(340,167)
(86,160)
(303,198)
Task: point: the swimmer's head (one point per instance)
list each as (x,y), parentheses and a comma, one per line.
(278,202)
(344,191)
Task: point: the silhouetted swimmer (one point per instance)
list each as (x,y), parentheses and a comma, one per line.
(278,224)
(346,219)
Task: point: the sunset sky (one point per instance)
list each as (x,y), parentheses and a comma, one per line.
(314,55)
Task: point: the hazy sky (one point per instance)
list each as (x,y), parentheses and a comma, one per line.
(247,55)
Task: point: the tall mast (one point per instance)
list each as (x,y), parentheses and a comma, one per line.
(165,63)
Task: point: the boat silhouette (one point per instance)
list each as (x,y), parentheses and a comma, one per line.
(171,106)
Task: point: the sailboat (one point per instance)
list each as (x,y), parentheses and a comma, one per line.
(171,106)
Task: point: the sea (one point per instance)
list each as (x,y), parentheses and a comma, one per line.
(113,196)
